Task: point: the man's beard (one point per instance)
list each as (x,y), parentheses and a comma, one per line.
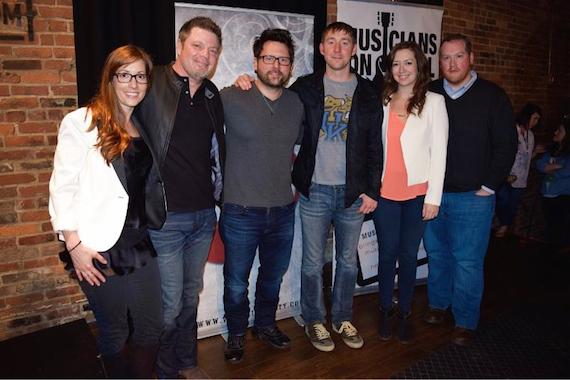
(264,78)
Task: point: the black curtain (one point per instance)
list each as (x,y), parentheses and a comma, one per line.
(103,25)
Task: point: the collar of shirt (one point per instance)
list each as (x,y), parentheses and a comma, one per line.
(456,93)
(200,92)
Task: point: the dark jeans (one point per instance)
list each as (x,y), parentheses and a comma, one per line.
(244,230)
(182,246)
(134,296)
(508,199)
(399,228)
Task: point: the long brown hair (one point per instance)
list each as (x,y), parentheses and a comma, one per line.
(106,114)
(418,99)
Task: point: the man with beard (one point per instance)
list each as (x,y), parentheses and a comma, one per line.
(182,115)
(262,126)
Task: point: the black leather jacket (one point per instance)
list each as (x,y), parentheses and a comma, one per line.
(155,197)
(157,114)
(364,142)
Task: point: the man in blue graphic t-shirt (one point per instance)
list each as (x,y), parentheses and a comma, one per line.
(337,173)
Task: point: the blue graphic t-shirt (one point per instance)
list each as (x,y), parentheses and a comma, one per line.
(330,161)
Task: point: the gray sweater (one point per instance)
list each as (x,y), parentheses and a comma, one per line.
(260,135)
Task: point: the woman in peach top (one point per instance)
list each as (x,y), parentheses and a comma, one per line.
(414,133)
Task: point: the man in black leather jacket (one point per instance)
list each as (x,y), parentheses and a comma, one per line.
(337,172)
(182,116)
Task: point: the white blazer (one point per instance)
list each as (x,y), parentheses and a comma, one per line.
(85,194)
(424,146)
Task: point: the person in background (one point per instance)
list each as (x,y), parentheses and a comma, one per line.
(414,136)
(480,153)
(555,188)
(184,118)
(98,191)
(509,194)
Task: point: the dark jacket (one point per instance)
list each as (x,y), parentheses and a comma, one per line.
(157,114)
(363,145)
(155,196)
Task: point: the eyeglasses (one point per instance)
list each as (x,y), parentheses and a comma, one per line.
(125,77)
(270,60)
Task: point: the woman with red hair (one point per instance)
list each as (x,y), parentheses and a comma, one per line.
(103,175)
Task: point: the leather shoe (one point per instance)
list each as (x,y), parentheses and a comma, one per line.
(234,348)
(272,336)
(463,337)
(434,316)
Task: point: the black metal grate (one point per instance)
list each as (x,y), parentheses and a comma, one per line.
(521,344)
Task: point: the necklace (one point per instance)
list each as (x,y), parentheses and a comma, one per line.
(271,108)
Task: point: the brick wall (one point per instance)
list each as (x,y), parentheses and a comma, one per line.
(514,41)
(37,87)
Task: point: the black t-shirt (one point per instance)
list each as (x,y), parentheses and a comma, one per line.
(187,170)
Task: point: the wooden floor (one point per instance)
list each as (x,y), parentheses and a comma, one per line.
(515,276)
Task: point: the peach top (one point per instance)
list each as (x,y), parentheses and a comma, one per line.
(395,183)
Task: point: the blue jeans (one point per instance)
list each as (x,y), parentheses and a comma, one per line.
(326,205)
(508,199)
(456,243)
(182,247)
(133,297)
(399,227)
(243,230)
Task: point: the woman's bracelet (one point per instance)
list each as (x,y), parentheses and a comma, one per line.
(76,245)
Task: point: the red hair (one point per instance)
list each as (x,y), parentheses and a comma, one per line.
(106,114)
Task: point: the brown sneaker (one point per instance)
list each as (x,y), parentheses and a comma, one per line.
(463,337)
(319,336)
(349,334)
(434,316)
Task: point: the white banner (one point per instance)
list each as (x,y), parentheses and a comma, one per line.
(239,28)
(367,260)
(380,26)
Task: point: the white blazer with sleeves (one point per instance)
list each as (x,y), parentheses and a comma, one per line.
(85,194)
(424,146)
